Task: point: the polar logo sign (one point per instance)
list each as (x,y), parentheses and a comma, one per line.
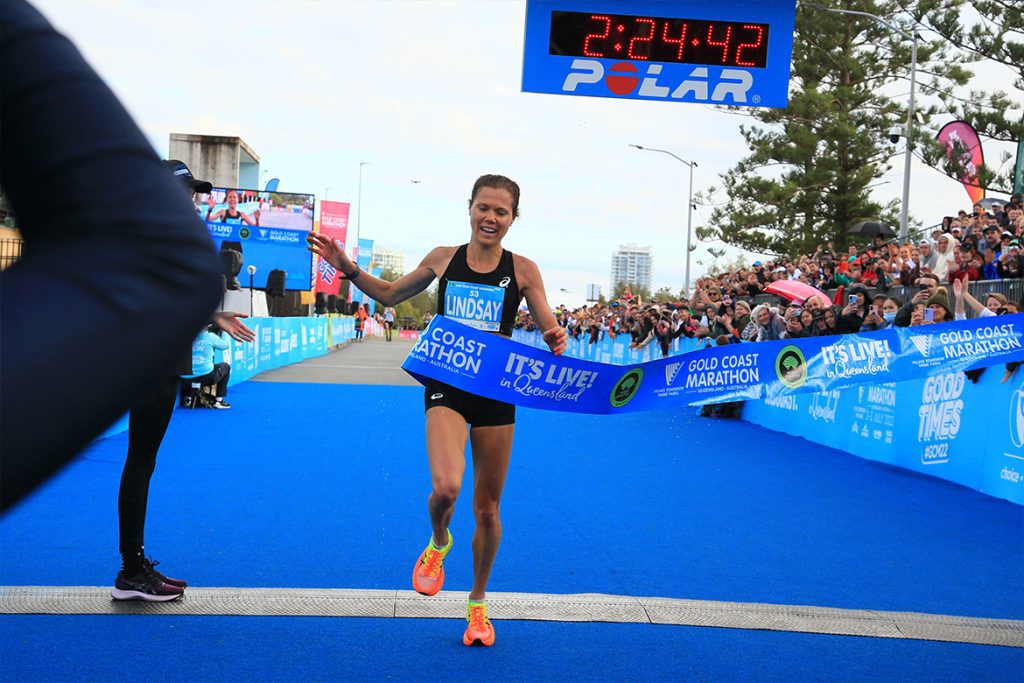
(623,77)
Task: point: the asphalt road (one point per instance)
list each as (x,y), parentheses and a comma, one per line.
(371,361)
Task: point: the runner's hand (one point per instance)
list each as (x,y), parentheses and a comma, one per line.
(230,323)
(556,338)
(330,251)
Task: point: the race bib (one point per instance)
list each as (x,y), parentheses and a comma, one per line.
(477,306)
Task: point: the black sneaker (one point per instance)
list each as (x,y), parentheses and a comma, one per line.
(150,565)
(144,586)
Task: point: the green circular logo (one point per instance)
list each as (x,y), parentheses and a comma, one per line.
(625,389)
(244,233)
(791,367)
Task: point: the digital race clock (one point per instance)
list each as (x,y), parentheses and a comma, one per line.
(723,52)
(659,39)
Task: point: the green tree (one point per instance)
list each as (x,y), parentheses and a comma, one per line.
(812,166)
(990,31)
(414,307)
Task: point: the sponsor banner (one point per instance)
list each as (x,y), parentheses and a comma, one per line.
(279,342)
(502,369)
(333,224)
(945,425)
(342,329)
(408,334)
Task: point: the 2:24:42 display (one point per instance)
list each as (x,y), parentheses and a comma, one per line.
(659,39)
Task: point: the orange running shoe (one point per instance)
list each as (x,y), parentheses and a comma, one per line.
(479,629)
(428,574)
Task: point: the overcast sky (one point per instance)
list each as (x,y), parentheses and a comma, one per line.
(429,91)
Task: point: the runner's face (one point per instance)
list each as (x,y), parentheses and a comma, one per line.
(490,215)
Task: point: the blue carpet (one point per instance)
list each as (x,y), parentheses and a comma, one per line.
(110,648)
(304,485)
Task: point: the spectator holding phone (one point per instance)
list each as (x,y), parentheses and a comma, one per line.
(927,284)
(856,310)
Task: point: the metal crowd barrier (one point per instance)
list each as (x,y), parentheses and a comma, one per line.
(10,251)
(1013,290)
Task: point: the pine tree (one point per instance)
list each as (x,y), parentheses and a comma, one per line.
(813,165)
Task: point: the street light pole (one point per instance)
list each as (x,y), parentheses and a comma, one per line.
(909,129)
(689,207)
(359,204)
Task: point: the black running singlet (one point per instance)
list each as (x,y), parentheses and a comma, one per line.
(486,301)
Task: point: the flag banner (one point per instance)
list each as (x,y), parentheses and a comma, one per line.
(963,150)
(333,224)
(489,365)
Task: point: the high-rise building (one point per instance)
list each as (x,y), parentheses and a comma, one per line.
(631,264)
(389,260)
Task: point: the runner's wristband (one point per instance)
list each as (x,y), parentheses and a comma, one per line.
(353,276)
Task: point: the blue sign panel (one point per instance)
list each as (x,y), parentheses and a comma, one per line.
(734,52)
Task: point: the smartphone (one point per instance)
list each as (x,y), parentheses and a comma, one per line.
(929,315)
(923,286)
(721,309)
(874,310)
(852,299)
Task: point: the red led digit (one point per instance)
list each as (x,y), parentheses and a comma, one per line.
(753,46)
(600,36)
(680,41)
(642,39)
(724,44)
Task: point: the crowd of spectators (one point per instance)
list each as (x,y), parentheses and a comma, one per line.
(860,285)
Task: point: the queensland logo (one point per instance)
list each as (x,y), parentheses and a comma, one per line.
(546,379)
(671,370)
(851,358)
(791,367)
(698,86)
(625,389)
(1017,418)
(244,233)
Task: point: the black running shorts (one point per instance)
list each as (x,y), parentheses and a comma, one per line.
(477,410)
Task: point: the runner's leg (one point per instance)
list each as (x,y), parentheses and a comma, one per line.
(492,451)
(447,433)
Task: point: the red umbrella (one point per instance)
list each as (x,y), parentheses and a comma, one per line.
(796,291)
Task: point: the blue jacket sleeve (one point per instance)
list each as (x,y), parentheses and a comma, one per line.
(113,249)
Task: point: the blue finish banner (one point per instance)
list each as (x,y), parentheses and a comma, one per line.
(735,52)
(499,368)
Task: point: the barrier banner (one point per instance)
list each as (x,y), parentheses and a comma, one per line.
(499,368)
(947,425)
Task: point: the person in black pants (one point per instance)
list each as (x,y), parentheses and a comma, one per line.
(110,238)
(147,423)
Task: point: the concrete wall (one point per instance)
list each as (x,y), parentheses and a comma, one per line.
(224,161)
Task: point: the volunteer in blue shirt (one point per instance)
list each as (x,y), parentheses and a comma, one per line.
(481,285)
(204,371)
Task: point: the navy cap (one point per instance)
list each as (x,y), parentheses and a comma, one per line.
(180,171)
